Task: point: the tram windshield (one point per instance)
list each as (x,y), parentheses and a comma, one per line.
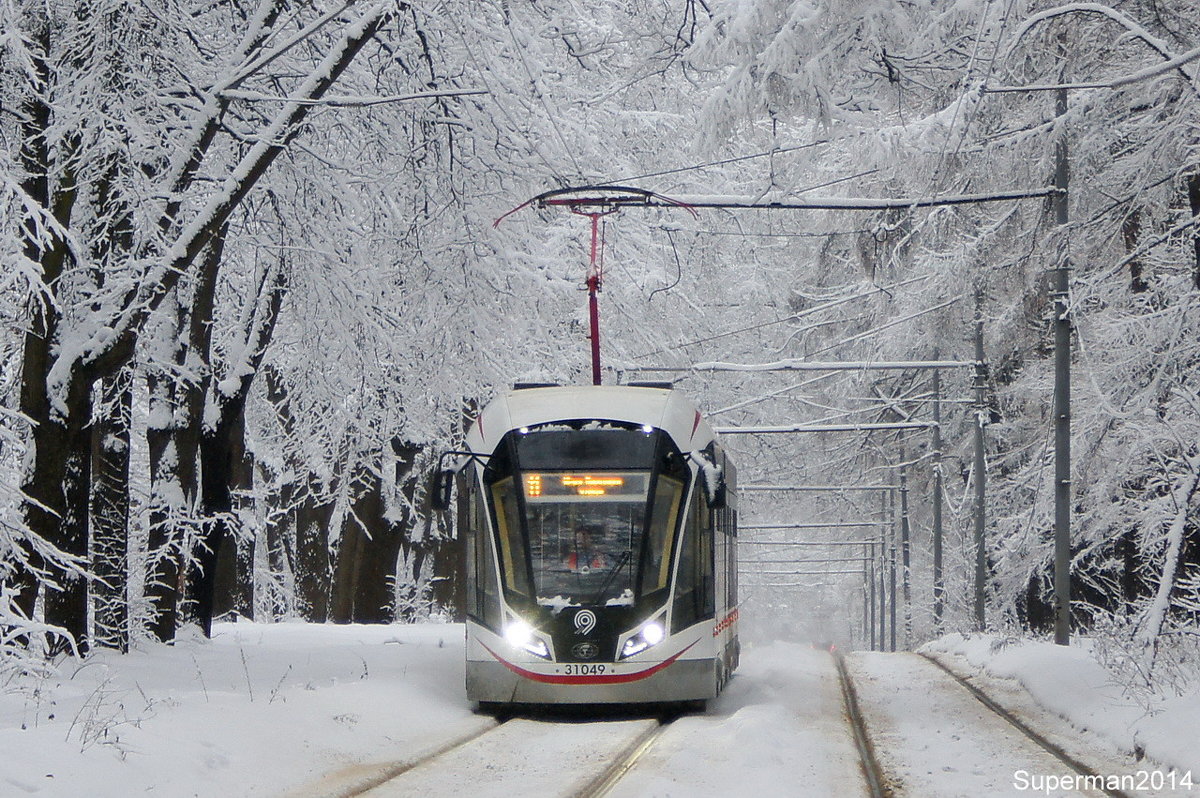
(591,535)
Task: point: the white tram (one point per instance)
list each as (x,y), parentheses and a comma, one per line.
(600,543)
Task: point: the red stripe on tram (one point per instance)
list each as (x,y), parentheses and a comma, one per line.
(603,678)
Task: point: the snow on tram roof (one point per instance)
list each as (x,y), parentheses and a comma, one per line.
(669,410)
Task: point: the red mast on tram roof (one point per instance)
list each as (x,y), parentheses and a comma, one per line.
(595,202)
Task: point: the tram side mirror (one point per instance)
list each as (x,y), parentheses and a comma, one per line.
(717,498)
(440,491)
(713,479)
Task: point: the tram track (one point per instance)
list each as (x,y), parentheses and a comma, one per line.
(623,763)
(360,780)
(876,778)
(876,781)
(576,757)
(593,756)
(1028,732)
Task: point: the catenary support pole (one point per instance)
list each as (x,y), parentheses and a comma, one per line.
(1062,393)
(593,286)
(892,535)
(866,624)
(905,558)
(883,544)
(871,582)
(980,470)
(939,587)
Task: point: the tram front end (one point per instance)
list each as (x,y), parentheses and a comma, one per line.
(589,564)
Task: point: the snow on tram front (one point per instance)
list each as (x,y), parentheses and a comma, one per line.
(601,553)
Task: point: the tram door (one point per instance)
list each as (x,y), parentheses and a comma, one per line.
(483,591)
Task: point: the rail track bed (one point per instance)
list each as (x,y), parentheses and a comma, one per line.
(866,724)
(515,756)
(931,732)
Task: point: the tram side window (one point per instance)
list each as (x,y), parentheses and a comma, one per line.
(694,583)
(721,557)
(732,583)
(508,529)
(483,597)
(471,558)
(704,553)
(663,520)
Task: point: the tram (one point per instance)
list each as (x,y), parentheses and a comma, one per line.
(600,531)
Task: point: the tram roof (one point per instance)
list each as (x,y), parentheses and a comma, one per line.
(668,410)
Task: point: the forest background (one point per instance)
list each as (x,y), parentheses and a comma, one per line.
(250,288)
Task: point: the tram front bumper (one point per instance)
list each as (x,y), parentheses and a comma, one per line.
(681,680)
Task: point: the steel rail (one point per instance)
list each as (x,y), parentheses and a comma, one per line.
(877,783)
(617,769)
(386,773)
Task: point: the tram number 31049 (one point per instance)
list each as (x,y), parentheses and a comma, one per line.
(584,669)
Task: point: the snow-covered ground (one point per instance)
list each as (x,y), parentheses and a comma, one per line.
(272,709)
(254,711)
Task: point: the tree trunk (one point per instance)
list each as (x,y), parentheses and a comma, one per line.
(420,547)
(222,446)
(374,601)
(58,513)
(310,516)
(281,560)
(1193,186)
(57,486)
(162,552)
(449,587)
(1131,230)
(346,573)
(172,437)
(1156,614)
(366,564)
(235,561)
(313,568)
(57,482)
(110,512)
(217,467)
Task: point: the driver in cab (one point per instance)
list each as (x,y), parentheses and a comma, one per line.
(587,556)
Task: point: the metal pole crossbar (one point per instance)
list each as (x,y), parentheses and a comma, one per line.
(801,560)
(848,203)
(857,572)
(811,365)
(786,573)
(813,525)
(808,542)
(865,427)
(833,488)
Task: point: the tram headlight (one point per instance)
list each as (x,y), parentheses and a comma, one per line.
(520,635)
(649,635)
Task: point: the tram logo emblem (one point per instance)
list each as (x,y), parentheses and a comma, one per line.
(585,622)
(585,650)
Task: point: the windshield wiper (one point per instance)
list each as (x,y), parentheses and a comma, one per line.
(609,576)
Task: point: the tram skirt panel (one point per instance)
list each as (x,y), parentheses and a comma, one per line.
(494,673)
